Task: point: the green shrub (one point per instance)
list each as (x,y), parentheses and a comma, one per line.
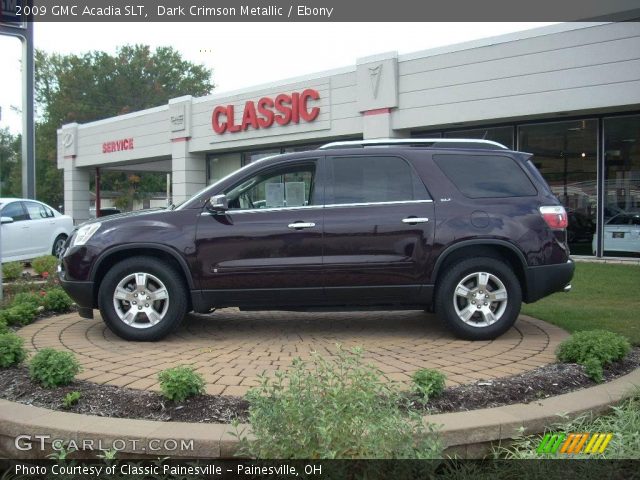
(593,349)
(180,383)
(20,314)
(428,383)
(3,324)
(70,399)
(12,350)
(56,300)
(12,270)
(46,263)
(27,297)
(52,367)
(333,409)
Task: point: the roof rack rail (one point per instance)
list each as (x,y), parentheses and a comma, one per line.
(418,142)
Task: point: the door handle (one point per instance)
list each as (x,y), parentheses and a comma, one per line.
(414,220)
(301,225)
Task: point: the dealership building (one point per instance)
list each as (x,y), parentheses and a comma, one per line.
(568,93)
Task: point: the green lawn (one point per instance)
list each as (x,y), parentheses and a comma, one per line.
(604,296)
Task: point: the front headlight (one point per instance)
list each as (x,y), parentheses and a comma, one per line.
(83,234)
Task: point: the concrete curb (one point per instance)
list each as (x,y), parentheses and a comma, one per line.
(466,434)
(470,434)
(614,260)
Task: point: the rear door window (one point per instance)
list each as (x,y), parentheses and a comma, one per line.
(37,211)
(373,179)
(485,176)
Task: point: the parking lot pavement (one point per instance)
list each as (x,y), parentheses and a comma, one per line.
(231,348)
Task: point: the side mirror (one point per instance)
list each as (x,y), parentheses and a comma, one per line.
(4,220)
(218,203)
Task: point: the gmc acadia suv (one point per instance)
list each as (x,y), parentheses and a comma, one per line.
(465,228)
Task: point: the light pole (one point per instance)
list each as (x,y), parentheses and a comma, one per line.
(23,30)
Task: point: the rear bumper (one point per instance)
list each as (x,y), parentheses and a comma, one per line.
(548,279)
(81,293)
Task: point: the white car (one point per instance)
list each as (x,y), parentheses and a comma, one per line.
(31,229)
(622,233)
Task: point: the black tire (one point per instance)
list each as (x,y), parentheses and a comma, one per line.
(58,244)
(478,327)
(173,313)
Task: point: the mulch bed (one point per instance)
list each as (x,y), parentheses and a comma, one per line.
(543,382)
(110,401)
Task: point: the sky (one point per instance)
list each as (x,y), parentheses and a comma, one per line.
(241,54)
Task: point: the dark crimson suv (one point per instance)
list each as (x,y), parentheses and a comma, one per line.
(465,228)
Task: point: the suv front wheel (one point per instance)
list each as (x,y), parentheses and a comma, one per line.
(142,298)
(479,298)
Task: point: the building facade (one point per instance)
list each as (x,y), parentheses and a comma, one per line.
(568,93)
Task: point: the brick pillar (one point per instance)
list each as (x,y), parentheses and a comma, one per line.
(76,179)
(76,191)
(188,171)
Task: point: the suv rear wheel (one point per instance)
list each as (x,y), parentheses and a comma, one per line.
(479,298)
(142,298)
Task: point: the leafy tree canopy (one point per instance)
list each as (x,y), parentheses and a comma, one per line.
(96,85)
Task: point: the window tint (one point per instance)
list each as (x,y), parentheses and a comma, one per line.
(625,219)
(15,211)
(37,211)
(373,179)
(485,176)
(285,187)
(619,220)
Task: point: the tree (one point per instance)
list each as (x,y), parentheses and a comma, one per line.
(10,165)
(97,85)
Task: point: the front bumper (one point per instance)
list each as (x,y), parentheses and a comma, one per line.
(548,279)
(80,292)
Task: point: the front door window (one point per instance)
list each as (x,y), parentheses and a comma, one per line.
(280,188)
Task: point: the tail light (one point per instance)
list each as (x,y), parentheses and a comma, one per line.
(556,217)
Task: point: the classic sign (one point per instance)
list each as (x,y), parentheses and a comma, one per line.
(282,110)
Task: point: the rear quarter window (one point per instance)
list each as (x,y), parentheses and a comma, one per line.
(485,176)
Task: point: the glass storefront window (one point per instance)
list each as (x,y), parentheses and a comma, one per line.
(221,165)
(503,135)
(251,157)
(426,135)
(566,155)
(621,233)
(302,148)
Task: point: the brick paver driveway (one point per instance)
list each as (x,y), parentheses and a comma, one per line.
(231,348)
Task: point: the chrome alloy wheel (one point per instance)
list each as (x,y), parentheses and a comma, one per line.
(480,299)
(58,246)
(141,300)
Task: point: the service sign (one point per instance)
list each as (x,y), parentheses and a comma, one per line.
(283,109)
(12,13)
(117,145)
